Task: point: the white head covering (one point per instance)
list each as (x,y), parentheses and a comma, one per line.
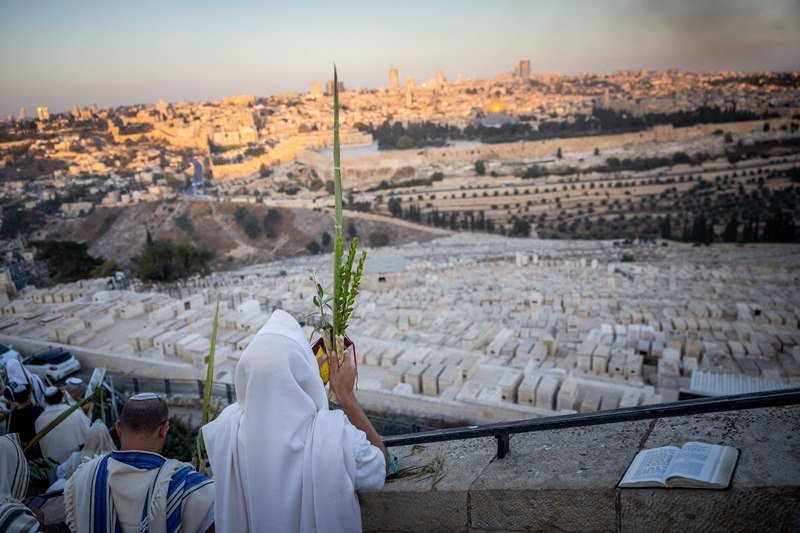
(98,442)
(144,396)
(280,457)
(16,373)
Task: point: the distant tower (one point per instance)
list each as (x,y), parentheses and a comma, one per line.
(75,111)
(163,107)
(409,96)
(440,80)
(459,79)
(43,113)
(524,69)
(316,88)
(409,82)
(394,79)
(22,115)
(329,87)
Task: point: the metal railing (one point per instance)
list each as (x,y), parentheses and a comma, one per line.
(503,431)
(187,388)
(413,433)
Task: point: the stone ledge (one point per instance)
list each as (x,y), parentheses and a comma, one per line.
(566,480)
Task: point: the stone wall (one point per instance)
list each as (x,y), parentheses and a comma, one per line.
(566,480)
(371,169)
(144,367)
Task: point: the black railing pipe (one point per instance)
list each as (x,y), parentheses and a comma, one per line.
(503,430)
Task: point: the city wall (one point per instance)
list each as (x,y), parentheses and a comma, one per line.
(144,367)
(372,169)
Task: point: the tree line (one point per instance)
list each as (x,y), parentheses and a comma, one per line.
(396,136)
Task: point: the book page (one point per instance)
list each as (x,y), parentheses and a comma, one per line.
(724,469)
(695,460)
(650,466)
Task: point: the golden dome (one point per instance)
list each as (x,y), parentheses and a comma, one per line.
(496,106)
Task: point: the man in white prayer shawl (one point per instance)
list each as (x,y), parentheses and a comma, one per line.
(16,373)
(136,489)
(66,437)
(282,460)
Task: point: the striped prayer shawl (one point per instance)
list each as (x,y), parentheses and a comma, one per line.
(14,516)
(183,481)
(14,468)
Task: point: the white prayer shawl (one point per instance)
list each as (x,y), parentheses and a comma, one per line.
(98,442)
(66,437)
(137,491)
(282,461)
(14,516)
(16,373)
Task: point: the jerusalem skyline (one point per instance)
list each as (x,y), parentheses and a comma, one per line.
(205,54)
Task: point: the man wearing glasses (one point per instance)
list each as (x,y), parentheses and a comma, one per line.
(136,489)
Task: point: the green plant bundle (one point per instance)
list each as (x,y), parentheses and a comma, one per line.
(346,280)
(337,218)
(38,469)
(349,282)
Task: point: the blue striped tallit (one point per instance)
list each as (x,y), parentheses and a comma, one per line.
(16,517)
(182,483)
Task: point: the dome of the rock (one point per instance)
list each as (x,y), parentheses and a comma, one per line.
(496,106)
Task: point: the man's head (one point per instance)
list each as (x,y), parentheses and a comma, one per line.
(144,423)
(76,388)
(17,393)
(53,396)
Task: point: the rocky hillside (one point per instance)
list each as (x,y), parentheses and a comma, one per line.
(118,233)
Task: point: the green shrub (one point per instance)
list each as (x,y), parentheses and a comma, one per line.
(378,239)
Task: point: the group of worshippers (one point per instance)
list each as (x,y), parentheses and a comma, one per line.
(32,407)
(281,459)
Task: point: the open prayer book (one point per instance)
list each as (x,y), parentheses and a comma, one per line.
(695,465)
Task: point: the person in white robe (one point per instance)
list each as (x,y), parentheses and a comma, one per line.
(76,390)
(69,435)
(282,460)
(98,442)
(16,373)
(15,517)
(136,489)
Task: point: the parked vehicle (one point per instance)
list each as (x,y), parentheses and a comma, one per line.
(7,353)
(53,364)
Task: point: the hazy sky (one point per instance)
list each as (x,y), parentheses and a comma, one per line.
(122,52)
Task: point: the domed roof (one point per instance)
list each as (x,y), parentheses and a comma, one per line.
(496,106)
